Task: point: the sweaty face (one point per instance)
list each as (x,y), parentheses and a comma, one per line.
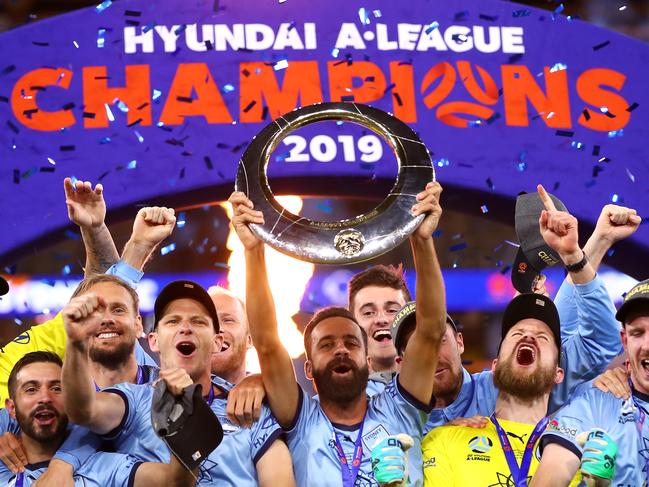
(527,363)
(374,309)
(448,375)
(38,402)
(635,337)
(338,362)
(120,327)
(234,329)
(185,338)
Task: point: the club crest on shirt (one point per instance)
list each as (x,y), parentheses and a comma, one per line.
(480,447)
(373,437)
(627,412)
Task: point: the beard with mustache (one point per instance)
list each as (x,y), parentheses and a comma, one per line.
(42,435)
(525,386)
(339,390)
(113,358)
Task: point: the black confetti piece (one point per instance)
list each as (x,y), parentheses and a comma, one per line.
(12,126)
(30,112)
(596,150)
(68,106)
(596,170)
(600,46)
(143,105)
(586,114)
(564,133)
(67,148)
(88,115)
(249,106)
(514,58)
(397,98)
(40,44)
(185,99)
(132,13)
(208,162)
(264,113)
(633,106)
(556,186)
(139,120)
(347,98)
(8,69)
(490,183)
(490,18)
(103,175)
(47,169)
(182,173)
(16,176)
(208,45)
(4,99)
(132,23)
(389,88)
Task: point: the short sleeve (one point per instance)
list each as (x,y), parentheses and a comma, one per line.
(263,433)
(133,401)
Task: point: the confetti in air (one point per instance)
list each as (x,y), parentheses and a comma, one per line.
(168,249)
(103,6)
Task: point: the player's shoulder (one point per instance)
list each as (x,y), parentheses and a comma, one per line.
(591,402)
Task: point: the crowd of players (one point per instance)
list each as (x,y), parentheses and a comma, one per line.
(394,405)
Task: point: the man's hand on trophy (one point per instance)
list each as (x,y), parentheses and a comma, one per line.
(428,203)
(243,214)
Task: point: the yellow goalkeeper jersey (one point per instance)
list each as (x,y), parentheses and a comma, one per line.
(48,336)
(461,456)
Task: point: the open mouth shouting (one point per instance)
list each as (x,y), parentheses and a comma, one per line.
(186,349)
(382,336)
(225,347)
(45,417)
(526,354)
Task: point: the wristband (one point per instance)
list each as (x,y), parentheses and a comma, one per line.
(576,267)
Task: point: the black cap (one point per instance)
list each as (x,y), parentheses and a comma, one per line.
(404,322)
(184,289)
(531,305)
(186,424)
(534,254)
(637,297)
(4,286)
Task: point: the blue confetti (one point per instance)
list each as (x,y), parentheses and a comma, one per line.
(121,105)
(484,209)
(282,157)
(51,161)
(475,123)
(558,67)
(325,207)
(559,9)
(101,33)
(631,176)
(139,137)
(228,88)
(334,52)
(513,244)
(105,140)
(521,13)
(169,248)
(603,109)
(66,270)
(364,15)
(616,198)
(281,64)
(103,6)
(18,321)
(132,164)
(443,162)
(431,27)
(156,94)
(180,221)
(577,145)
(616,133)
(74,180)
(377,14)
(76,44)
(458,247)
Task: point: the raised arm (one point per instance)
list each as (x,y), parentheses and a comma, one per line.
(277,371)
(87,208)
(420,358)
(98,411)
(151,226)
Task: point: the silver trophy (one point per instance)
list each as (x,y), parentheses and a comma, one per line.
(346,241)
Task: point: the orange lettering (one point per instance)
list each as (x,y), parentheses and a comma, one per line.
(258,82)
(136,95)
(445,86)
(519,86)
(342,76)
(403,92)
(25,107)
(590,91)
(208,103)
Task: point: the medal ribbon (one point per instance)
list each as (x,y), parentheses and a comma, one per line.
(350,473)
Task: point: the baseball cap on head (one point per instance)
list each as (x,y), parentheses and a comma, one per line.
(4,286)
(404,322)
(532,305)
(534,254)
(635,300)
(184,289)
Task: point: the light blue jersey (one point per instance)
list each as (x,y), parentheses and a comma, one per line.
(101,470)
(311,438)
(232,463)
(589,341)
(597,409)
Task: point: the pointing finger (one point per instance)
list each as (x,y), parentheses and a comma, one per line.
(545,198)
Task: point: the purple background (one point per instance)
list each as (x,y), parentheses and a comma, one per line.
(32,210)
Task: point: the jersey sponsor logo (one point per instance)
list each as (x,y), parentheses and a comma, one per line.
(373,437)
(480,447)
(431,462)
(554,425)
